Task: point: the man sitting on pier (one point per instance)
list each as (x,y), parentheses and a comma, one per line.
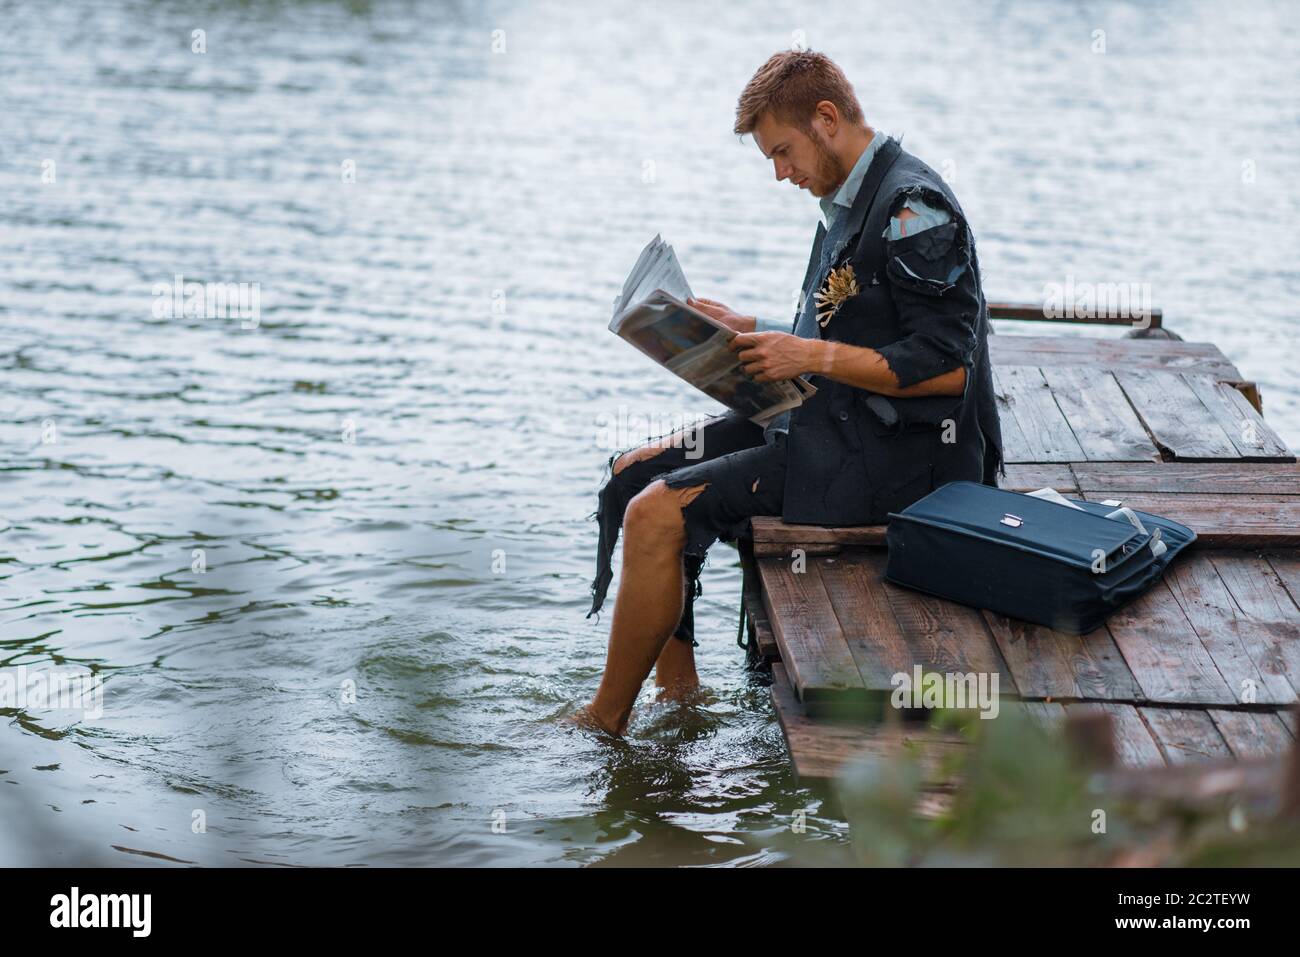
(892,333)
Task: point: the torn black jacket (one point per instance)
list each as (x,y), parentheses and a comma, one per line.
(854,455)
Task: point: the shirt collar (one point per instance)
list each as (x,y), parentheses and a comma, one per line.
(848,192)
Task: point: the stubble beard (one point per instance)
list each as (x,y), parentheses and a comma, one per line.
(829,172)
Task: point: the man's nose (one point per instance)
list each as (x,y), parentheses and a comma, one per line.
(782,172)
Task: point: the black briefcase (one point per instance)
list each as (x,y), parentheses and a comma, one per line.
(1030,558)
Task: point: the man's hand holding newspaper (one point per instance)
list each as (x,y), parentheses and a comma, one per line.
(657,313)
(724,314)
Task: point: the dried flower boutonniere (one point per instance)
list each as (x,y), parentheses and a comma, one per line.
(840,285)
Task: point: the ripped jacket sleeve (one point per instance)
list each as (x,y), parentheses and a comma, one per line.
(934,291)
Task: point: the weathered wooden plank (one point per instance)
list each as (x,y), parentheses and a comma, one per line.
(1251,391)
(1134,746)
(1044,435)
(763,636)
(1254,439)
(1161,354)
(867,620)
(1239,506)
(1222,521)
(1290,718)
(1049,715)
(1164,653)
(808,635)
(766,639)
(1052,664)
(1029,312)
(1252,734)
(777,538)
(1258,587)
(1230,478)
(1255,782)
(1185,735)
(819,750)
(1031,476)
(1174,415)
(1269,616)
(751,597)
(1243,648)
(1016,447)
(891,630)
(1100,417)
(943,635)
(1286,566)
(791,550)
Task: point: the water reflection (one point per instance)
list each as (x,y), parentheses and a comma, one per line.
(239,527)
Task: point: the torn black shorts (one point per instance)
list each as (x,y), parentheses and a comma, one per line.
(745,477)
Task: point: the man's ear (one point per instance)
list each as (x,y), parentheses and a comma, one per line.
(828,117)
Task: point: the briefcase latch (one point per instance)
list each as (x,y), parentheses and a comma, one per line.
(1015,521)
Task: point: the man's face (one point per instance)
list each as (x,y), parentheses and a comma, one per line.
(802,158)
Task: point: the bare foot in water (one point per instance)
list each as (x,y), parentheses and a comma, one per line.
(686,693)
(584,718)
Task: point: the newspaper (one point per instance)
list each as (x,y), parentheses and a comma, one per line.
(651,313)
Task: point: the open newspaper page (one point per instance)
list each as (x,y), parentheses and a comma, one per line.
(652,315)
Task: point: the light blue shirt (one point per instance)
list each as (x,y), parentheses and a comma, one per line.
(842,201)
(927,217)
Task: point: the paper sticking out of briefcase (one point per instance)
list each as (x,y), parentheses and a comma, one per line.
(1039,557)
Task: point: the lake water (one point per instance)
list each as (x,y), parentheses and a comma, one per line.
(382,482)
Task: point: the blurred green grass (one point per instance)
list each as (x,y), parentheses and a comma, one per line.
(1024,798)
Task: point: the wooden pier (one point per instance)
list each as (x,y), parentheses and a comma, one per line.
(1203,668)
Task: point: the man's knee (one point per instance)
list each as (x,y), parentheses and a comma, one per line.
(636,455)
(656,513)
(690,438)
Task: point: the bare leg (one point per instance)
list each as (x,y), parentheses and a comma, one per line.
(649,604)
(675,667)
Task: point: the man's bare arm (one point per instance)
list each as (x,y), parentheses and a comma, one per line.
(777,356)
(867,369)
